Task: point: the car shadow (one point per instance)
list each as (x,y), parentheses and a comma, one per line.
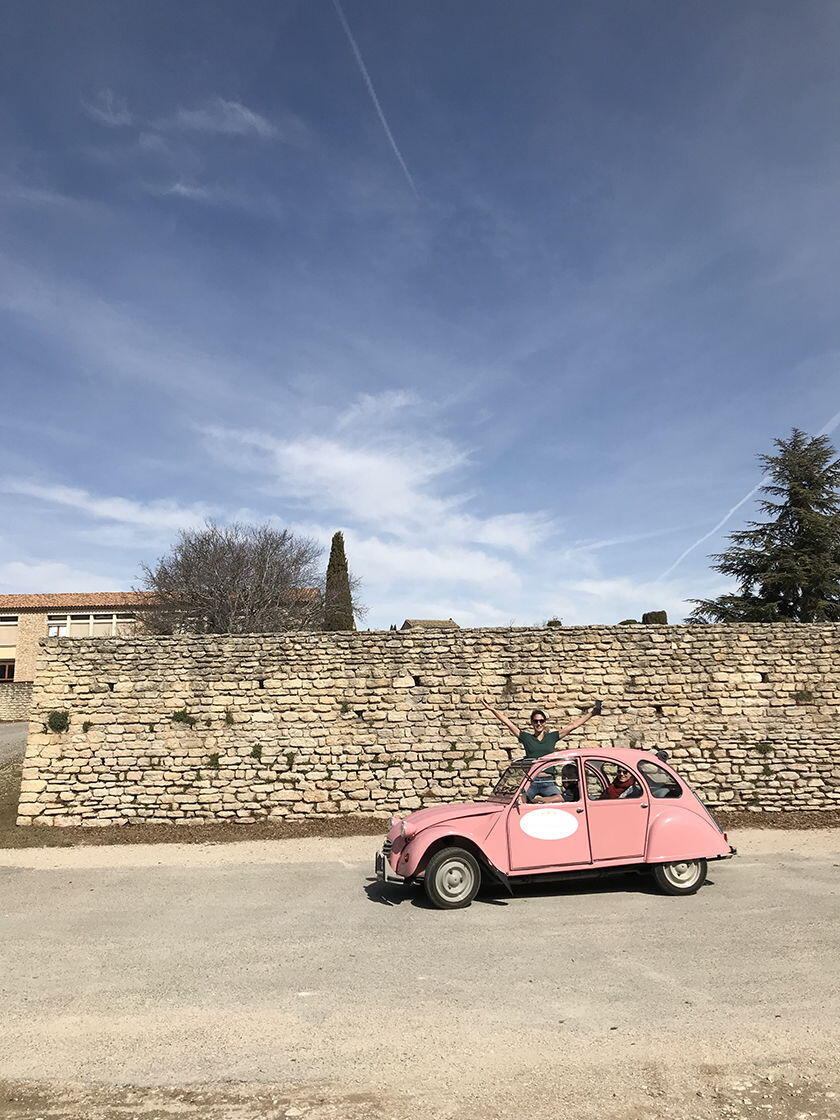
(494,894)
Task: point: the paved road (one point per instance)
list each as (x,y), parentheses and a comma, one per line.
(12,741)
(313,992)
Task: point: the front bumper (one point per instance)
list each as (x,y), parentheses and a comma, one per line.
(384,873)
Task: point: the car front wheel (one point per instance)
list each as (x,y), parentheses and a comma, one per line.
(452,878)
(682,877)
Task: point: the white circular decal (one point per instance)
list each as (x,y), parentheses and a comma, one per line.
(548,824)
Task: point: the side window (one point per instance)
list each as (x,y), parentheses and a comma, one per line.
(596,783)
(555,783)
(607,781)
(662,784)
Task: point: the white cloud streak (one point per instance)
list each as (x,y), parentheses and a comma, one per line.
(226,118)
(367,79)
(112,340)
(158,515)
(108,110)
(825,430)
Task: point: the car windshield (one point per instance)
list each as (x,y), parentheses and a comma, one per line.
(511,779)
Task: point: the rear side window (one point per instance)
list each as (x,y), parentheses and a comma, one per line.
(661,783)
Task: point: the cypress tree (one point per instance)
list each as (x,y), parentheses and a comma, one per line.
(338,600)
(787,567)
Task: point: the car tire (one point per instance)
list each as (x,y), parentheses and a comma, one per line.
(452,878)
(685,876)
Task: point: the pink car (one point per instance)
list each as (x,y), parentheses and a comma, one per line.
(605,811)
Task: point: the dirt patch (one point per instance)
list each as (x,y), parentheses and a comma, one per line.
(707,1096)
(734,819)
(228,832)
(34,1101)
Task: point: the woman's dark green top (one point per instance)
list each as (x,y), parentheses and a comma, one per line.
(536,748)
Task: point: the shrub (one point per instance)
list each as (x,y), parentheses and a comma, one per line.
(58,721)
(183,716)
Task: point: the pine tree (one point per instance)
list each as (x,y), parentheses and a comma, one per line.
(338,598)
(788,567)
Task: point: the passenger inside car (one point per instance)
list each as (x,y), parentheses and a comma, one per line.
(569,786)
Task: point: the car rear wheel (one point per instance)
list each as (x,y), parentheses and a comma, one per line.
(452,878)
(682,877)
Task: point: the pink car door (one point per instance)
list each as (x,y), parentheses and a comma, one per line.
(544,836)
(617,806)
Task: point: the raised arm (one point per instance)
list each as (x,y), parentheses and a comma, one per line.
(581,720)
(501,717)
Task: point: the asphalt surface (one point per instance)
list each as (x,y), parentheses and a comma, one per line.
(12,741)
(277,985)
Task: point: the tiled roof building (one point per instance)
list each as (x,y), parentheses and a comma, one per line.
(25,619)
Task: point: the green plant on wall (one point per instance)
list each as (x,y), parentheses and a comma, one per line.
(804,696)
(256,752)
(345,707)
(58,721)
(213,762)
(229,720)
(764,747)
(183,716)
(290,759)
(86,726)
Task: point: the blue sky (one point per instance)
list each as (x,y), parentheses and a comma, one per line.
(516,316)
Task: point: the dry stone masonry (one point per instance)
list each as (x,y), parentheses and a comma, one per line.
(191,729)
(15,698)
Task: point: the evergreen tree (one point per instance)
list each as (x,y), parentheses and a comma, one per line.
(788,567)
(338,598)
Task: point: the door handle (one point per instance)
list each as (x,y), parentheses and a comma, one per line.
(578,810)
(643,805)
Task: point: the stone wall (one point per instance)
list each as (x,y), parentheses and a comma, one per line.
(15,698)
(189,729)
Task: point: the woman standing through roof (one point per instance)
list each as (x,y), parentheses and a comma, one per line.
(539,742)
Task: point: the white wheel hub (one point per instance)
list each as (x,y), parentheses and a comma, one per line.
(684,874)
(454,880)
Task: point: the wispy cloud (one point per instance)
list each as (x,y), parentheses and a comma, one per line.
(379,111)
(25,194)
(825,430)
(33,576)
(109,110)
(111,339)
(376,409)
(157,515)
(256,203)
(227,118)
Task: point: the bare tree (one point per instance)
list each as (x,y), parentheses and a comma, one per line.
(236,579)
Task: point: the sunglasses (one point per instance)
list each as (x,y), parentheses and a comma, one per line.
(537,721)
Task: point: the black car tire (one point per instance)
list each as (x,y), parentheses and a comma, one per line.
(452,878)
(684,876)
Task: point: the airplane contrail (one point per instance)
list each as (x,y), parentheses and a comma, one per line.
(358,54)
(825,430)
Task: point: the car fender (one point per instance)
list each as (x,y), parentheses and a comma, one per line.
(679,832)
(412,856)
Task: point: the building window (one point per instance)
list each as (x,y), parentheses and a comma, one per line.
(89,625)
(7,670)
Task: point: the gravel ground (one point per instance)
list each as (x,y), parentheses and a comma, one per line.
(269,980)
